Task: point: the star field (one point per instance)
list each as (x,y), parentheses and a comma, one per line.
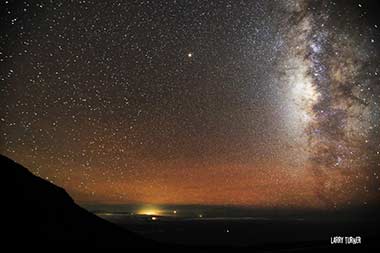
(264,103)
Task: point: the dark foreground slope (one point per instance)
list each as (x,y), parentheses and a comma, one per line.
(36,210)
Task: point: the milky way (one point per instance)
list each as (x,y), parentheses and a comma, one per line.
(264,103)
(331,75)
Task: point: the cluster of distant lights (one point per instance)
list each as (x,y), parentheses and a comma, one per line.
(154,213)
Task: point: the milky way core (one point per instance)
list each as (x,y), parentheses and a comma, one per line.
(334,98)
(257,103)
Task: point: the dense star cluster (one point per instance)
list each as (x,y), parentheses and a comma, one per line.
(264,103)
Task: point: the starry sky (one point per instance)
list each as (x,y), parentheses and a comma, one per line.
(256,103)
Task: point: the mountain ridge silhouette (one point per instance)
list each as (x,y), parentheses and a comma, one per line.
(38,210)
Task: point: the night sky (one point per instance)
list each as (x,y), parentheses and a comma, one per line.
(262,103)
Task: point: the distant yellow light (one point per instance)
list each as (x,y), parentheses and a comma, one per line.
(149,211)
(175,211)
(154,218)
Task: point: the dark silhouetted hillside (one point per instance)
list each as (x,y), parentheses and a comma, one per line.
(35,209)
